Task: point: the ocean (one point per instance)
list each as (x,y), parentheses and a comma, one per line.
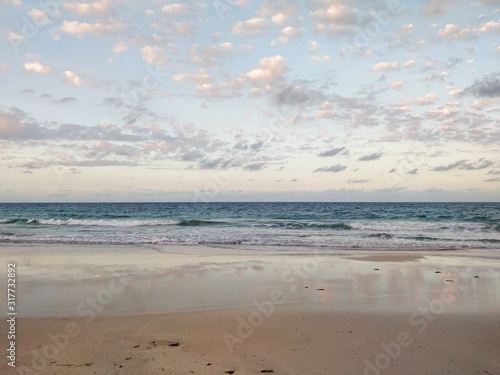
(332,225)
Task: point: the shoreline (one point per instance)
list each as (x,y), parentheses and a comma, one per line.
(128,310)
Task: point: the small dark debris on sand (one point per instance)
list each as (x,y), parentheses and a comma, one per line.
(376,269)
(450,281)
(175,343)
(476,277)
(230,372)
(267,370)
(320,289)
(437,272)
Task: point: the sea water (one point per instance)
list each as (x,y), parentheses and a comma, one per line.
(333,225)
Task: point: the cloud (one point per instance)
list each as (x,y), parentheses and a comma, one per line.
(269,70)
(12,2)
(488,86)
(297,96)
(67,99)
(464,165)
(253,26)
(397,85)
(36,67)
(72,78)
(332,152)
(39,17)
(435,8)
(254,166)
(409,64)
(292,32)
(385,67)
(336,19)
(83,9)
(120,47)
(452,31)
(333,168)
(210,55)
(358,181)
(413,171)
(79,29)
(175,9)
(369,157)
(496,179)
(17,124)
(13,37)
(152,54)
(4,68)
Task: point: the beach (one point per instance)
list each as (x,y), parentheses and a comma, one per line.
(84,309)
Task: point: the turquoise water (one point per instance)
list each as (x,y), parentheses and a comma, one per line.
(334,225)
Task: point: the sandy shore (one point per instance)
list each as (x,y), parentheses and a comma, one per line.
(128,310)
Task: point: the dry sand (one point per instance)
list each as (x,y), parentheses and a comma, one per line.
(137,311)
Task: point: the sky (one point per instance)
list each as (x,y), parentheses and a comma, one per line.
(240,100)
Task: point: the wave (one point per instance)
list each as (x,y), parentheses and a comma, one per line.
(421,242)
(198,223)
(303,225)
(380,235)
(391,227)
(90,222)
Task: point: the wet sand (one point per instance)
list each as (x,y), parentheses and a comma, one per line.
(130,310)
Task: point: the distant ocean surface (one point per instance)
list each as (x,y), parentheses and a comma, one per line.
(332,225)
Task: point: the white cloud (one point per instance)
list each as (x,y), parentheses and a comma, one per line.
(270,69)
(385,67)
(4,68)
(12,2)
(152,54)
(280,40)
(397,85)
(456,92)
(337,19)
(313,46)
(452,31)
(409,64)
(321,58)
(279,19)
(120,47)
(435,8)
(430,98)
(72,78)
(36,67)
(39,17)
(199,78)
(14,36)
(183,28)
(292,32)
(83,9)
(209,55)
(79,29)
(253,26)
(175,9)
